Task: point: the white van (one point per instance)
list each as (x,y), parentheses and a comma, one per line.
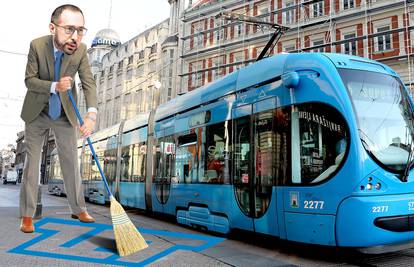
(10,177)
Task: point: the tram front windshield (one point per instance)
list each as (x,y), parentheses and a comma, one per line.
(385,116)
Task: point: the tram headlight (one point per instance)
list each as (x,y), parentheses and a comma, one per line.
(378,186)
(369,186)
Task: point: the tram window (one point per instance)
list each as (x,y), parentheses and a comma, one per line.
(110,164)
(169,156)
(265,144)
(99,149)
(216,154)
(125,164)
(157,159)
(242,150)
(282,155)
(164,158)
(319,141)
(86,164)
(139,158)
(55,170)
(186,158)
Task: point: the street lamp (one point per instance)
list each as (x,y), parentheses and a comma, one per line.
(157,85)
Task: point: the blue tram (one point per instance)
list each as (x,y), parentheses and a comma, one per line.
(313,148)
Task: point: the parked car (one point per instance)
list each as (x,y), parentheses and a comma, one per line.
(10,177)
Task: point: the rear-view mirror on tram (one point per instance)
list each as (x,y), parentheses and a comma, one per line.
(290,79)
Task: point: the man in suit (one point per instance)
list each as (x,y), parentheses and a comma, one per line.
(52,63)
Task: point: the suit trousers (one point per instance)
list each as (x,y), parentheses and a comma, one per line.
(66,142)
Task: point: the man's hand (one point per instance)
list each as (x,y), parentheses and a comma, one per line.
(88,124)
(64,84)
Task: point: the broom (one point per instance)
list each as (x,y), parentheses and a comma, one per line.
(128,239)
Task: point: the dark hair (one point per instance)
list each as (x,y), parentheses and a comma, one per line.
(59,10)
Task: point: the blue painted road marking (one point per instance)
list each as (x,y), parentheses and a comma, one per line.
(113,258)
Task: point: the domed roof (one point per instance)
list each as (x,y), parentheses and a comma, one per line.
(106,37)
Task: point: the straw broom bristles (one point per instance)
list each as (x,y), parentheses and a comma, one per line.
(128,239)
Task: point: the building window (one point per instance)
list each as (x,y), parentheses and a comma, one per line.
(218,71)
(154,48)
(198,40)
(264,14)
(140,70)
(198,78)
(219,31)
(131,59)
(383,42)
(129,74)
(318,49)
(197,74)
(411,22)
(138,99)
(317,9)
(350,47)
(169,94)
(238,58)
(141,54)
(348,4)
(152,66)
(289,48)
(238,30)
(289,14)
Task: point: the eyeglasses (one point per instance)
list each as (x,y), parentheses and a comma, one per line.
(71,30)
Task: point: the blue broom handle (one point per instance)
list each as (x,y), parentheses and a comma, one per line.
(89,142)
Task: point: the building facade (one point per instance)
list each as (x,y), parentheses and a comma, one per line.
(213,47)
(197,45)
(128,76)
(20,155)
(7,156)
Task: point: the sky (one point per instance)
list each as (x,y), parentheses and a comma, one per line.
(24,20)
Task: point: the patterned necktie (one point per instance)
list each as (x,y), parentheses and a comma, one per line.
(55,107)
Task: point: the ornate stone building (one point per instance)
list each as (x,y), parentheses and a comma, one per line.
(128,76)
(213,47)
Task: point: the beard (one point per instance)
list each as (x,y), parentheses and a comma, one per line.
(68,47)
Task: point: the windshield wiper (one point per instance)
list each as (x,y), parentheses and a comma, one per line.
(404,175)
(410,123)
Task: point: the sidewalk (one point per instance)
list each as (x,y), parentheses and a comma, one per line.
(61,241)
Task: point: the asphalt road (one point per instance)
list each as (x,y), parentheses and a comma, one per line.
(62,241)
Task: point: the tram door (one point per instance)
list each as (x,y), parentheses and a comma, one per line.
(163,160)
(254,145)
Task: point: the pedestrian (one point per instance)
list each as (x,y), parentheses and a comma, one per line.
(52,64)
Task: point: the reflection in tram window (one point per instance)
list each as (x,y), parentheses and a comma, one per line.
(164,158)
(168,148)
(55,171)
(125,164)
(86,164)
(185,163)
(99,149)
(110,164)
(241,162)
(216,154)
(319,141)
(164,166)
(282,161)
(265,144)
(139,158)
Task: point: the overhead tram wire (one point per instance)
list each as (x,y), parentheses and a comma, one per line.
(12,52)
(331,43)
